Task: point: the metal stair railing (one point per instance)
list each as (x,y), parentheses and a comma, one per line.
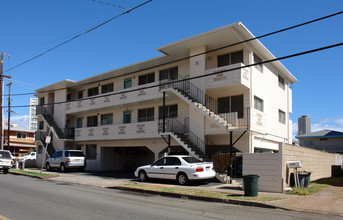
(50,121)
(41,136)
(187,89)
(183,132)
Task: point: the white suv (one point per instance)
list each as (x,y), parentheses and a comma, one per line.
(66,159)
(6,161)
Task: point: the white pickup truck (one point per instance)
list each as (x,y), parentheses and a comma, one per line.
(30,156)
(6,161)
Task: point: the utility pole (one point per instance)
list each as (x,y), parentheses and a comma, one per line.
(9,116)
(1,99)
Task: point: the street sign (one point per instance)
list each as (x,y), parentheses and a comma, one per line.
(47,139)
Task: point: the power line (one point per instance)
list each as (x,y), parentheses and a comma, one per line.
(117,6)
(188,57)
(79,35)
(197,77)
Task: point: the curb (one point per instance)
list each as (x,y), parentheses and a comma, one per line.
(201,198)
(29,175)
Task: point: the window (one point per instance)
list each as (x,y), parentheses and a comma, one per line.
(80,94)
(282,117)
(230,58)
(146,114)
(79,122)
(231,104)
(40,149)
(127,117)
(258,103)
(93,91)
(309,142)
(173,161)
(171,73)
(68,97)
(41,125)
(257,59)
(21,135)
(107,119)
(127,83)
(171,111)
(281,82)
(78,147)
(91,151)
(92,121)
(41,101)
(145,79)
(57,154)
(107,88)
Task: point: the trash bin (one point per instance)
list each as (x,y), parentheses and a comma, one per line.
(250,183)
(304,179)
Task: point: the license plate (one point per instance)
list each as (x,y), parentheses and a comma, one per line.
(77,160)
(207,168)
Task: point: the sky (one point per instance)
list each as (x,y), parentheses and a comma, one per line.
(29,28)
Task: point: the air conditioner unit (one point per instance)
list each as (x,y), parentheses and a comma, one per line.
(294,164)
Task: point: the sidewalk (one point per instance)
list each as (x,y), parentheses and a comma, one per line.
(328,201)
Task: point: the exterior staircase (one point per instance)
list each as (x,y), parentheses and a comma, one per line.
(187,139)
(202,102)
(40,137)
(49,120)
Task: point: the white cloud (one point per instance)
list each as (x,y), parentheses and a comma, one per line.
(22,121)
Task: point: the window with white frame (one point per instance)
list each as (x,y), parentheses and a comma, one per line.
(258,103)
(146,114)
(257,59)
(92,121)
(170,111)
(282,117)
(107,119)
(107,88)
(93,91)
(147,78)
(230,58)
(281,82)
(21,135)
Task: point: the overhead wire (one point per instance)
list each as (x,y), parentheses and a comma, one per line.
(198,54)
(77,36)
(117,6)
(195,77)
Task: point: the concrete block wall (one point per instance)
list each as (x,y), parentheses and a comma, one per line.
(315,161)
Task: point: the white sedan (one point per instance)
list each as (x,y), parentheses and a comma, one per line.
(181,168)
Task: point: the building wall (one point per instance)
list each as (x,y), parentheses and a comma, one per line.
(332,145)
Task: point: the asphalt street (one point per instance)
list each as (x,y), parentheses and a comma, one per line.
(28,198)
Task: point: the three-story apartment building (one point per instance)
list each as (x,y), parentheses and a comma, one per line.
(199,97)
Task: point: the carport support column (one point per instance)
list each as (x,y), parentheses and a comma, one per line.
(231,157)
(164,112)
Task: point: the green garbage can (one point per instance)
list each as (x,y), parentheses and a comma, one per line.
(304,179)
(250,183)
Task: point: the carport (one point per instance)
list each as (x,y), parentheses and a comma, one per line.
(125,158)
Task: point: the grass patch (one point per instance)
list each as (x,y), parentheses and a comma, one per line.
(194,192)
(312,189)
(33,173)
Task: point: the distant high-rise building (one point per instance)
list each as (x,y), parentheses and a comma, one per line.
(33,124)
(304,125)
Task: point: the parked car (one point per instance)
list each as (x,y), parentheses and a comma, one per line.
(66,159)
(179,167)
(30,156)
(6,161)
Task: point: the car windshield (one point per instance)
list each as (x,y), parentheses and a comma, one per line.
(74,154)
(5,155)
(191,159)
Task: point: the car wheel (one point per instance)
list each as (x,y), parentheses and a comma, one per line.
(5,171)
(48,167)
(62,168)
(182,179)
(142,176)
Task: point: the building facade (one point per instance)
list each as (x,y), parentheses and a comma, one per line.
(22,141)
(198,98)
(304,125)
(324,140)
(33,123)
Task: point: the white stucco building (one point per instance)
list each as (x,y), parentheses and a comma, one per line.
(117,117)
